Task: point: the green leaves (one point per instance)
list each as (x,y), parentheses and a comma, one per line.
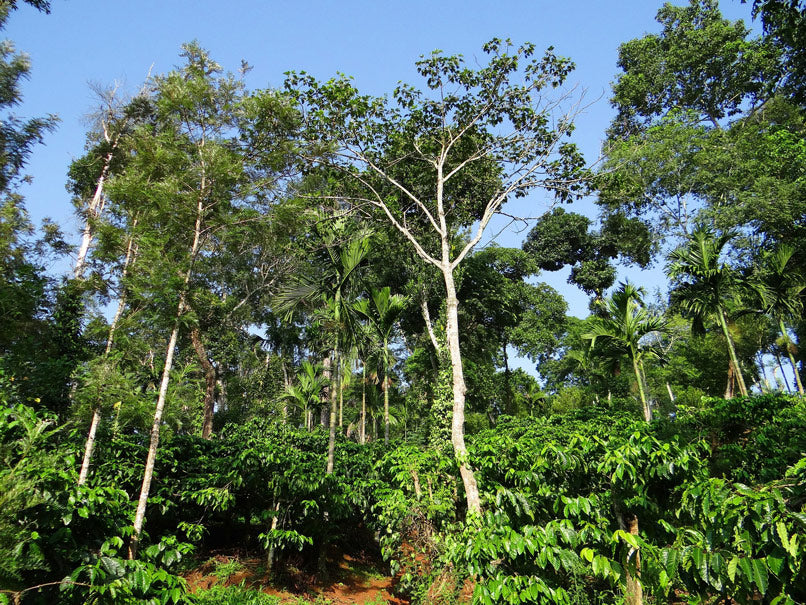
(699,61)
(620,327)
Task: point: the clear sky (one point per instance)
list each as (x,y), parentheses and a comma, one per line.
(376,42)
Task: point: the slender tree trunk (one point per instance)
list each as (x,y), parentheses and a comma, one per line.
(327,393)
(364,407)
(331,441)
(783,373)
(429,326)
(89,447)
(729,385)
(638,378)
(148,473)
(732,351)
(131,255)
(386,421)
(765,381)
(669,389)
(341,396)
(286,384)
(459,389)
(209,381)
(798,381)
(385,394)
(94,210)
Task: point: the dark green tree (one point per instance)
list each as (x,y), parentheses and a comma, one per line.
(561,238)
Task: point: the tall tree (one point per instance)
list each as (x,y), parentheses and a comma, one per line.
(382,315)
(783,289)
(199,169)
(705,286)
(431,162)
(618,330)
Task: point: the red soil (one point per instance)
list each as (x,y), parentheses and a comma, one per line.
(353,582)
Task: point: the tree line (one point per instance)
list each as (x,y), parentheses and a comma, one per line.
(309,256)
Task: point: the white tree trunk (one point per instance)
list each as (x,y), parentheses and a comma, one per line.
(94,210)
(459,389)
(90,445)
(148,473)
(131,252)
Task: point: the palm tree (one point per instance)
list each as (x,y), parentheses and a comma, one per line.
(782,288)
(623,322)
(306,394)
(382,315)
(705,286)
(344,250)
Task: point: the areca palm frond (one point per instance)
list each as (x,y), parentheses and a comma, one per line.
(703,284)
(352,255)
(783,285)
(299,293)
(383,313)
(308,390)
(308,290)
(618,333)
(624,322)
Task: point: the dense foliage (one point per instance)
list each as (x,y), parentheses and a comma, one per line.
(279,338)
(715,514)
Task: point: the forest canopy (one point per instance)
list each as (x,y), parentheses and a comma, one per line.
(286,328)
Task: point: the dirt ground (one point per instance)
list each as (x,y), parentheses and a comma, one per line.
(353,580)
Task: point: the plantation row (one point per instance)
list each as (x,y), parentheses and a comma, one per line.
(590,506)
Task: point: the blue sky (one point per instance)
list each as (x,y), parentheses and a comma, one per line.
(376,42)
